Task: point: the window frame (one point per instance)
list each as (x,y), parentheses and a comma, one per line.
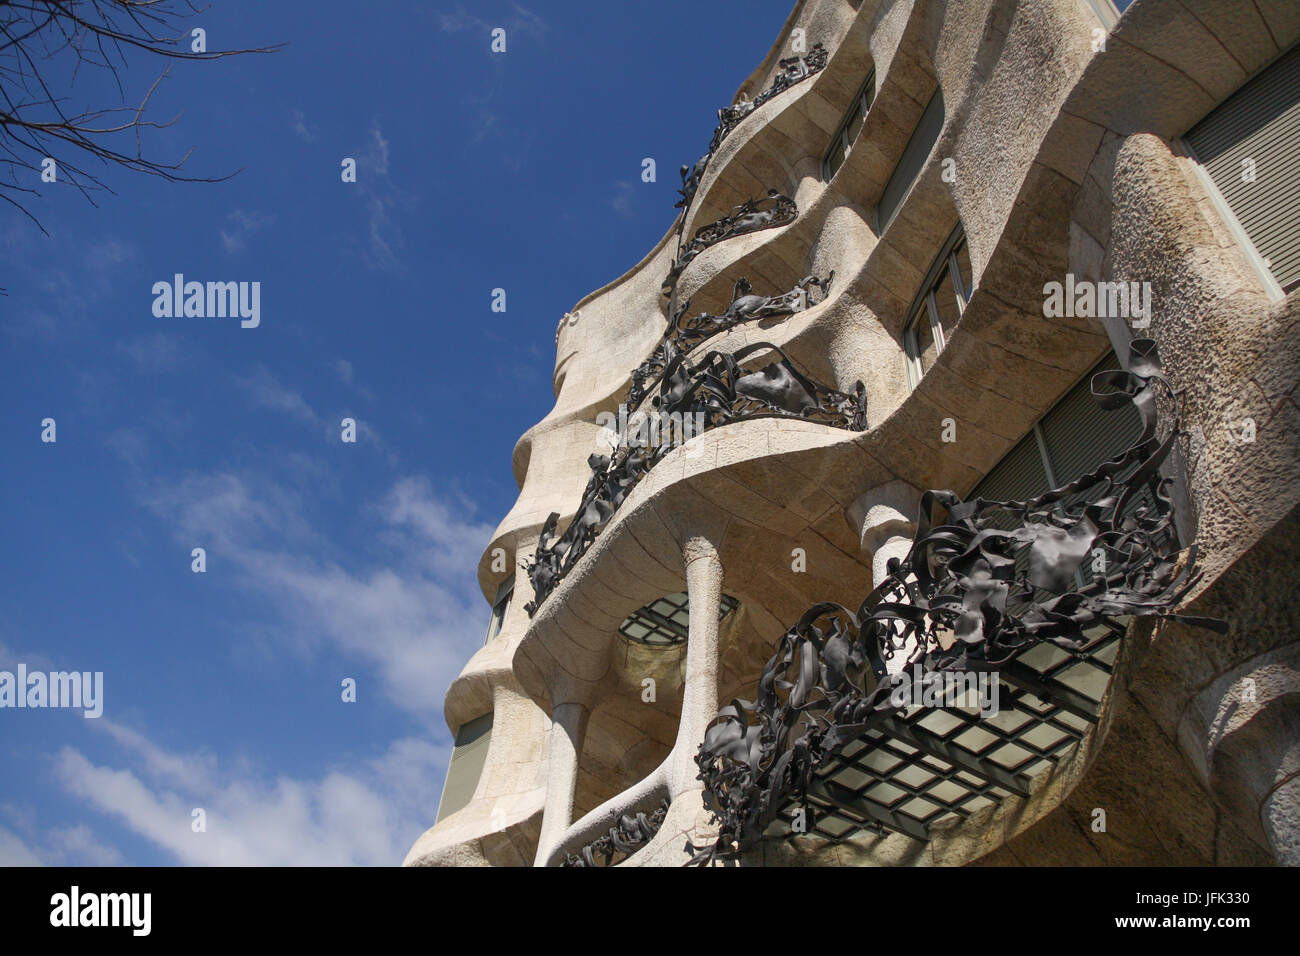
(1106,12)
(1049,452)
(911,162)
(866,95)
(505,591)
(945,263)
(1272,288)
(1182,147)
(481,726)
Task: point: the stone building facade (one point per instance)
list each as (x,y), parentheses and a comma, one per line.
(916,195)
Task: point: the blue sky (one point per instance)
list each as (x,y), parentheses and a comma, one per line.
(325,560)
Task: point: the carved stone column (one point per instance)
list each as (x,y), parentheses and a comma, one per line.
(568,730)
(885,519)
(687,820)
(1243,734)
(700,697)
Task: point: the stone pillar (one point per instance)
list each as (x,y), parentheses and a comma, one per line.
(1280,815)
(568,729)
(1243,735)
(885,519)
(700,697)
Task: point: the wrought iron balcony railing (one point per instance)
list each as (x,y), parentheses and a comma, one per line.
(688,399)
(692,398)
(830,685)
(683,335)
(621,840)
(753,215)
(792,70)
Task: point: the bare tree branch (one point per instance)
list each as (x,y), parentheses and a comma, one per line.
(43,46)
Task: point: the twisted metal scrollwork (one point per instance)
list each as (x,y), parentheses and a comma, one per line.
(958,601)
(791,70)
(683,335)
(752,215)
(717,391)
(725,392)
(622,840)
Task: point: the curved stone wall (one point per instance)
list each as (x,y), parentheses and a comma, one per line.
(1052,160)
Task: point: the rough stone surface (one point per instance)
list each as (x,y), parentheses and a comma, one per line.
(1053,159)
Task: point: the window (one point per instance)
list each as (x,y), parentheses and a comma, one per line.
(1249,148)
(943,298)
(1109,11)
(665,622)
(1070,441)
(499,607)
(843,139)
(466,765)
(910,163)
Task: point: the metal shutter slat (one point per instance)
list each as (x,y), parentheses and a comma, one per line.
(1261,121)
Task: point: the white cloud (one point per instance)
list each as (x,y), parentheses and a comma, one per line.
(244,224)
(13,852)
(265,391)
(385,238)
(409,618)
(300,128)
(107,254)
(9,659)
(522,20)
(346,374)
(381,230)
(157,352)
(58,284)
(621,202)
(377,155)
(363,815)
(77,846)
(415,620)
(61,846)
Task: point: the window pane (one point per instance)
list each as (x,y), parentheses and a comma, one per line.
(467,760)
(494,626)
(854,125)
(1260,123)
(1018,476)
(1080,435)
(849,129)
(504,592)
(836,157)
(909,165)
(925,346)
(963,263)
(945,301)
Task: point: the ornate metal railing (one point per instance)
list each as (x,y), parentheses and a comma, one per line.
(753,215)
(683,335)
(829,682)
(792,70)
(621,841)
(716,391)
